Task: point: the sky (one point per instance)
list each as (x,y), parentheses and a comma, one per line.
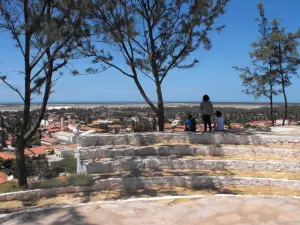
(213,75)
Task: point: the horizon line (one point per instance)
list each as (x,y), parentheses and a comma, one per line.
(139,102)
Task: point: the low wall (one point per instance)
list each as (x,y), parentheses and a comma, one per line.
(160,163)
(98,152)
(194,182)
(142,139)
(197,182)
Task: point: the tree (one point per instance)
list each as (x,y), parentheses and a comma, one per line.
(45,32)
(153,37)
(283,47)
(263,80)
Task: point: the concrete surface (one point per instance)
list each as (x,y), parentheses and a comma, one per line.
(207,210)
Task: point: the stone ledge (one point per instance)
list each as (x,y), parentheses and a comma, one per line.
(98,152)
(197,182)
(40,193)
(194,182)
(160,163)
(142,139)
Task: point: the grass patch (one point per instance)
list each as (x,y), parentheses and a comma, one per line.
(8,187)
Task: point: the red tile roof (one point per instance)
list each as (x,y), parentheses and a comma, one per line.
(36,151)
(74,146)
(114,126)
(9,140)
(49,140)
(3,178)
(7,155)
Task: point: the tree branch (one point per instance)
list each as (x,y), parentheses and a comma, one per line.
(12,87)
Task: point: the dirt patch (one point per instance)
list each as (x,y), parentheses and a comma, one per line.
(71,199)
(242,156)
(199,172)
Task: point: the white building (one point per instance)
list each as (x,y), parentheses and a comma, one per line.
(279,122)
(73,128)
(66,137)
(63,152)
(44,123)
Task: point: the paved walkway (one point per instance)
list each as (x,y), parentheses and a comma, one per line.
(209,210)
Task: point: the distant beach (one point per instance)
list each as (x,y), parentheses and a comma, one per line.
(244,105)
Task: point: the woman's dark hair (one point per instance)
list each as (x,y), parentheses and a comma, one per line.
(206,98)
(218,114)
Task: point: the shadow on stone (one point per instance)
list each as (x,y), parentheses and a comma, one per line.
(64,216)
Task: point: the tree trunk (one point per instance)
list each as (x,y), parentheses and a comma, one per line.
(21,167)
(285,104)
(271,106)
(283,85)
(160,108)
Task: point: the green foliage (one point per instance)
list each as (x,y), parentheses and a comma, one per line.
(68,165)
(144,125)
(73,180)
(153,37)
(275,60)
(9,166)
(80,180)
(8,187)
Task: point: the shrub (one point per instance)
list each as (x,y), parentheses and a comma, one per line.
(68,164)
(8,187)
(80,180)
(73,180)
(45,184)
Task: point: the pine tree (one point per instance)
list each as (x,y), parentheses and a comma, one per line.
(261,81)
(45,33)
(152,36)
(283,47)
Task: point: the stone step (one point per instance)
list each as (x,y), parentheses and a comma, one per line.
(142,139)
(196,182)
(159,163)
(181,185)
(199,172)
(99,152)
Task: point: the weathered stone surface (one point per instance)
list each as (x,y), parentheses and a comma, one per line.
(159,163)
(185,137)
(203,182)
(195,182)
(97,152)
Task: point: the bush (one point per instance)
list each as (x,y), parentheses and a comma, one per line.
(80,180)
(68,165)
(45,184)
(8,187)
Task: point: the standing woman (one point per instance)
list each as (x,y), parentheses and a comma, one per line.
(206,108)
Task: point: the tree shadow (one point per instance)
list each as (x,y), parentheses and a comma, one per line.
(58,216)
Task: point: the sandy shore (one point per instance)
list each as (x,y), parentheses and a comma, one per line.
(16,107)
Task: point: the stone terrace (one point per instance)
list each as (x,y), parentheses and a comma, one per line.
(191,160)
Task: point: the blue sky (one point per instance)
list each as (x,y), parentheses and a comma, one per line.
(214,75)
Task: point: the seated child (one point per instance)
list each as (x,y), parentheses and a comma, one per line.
(219,123)
(190,124)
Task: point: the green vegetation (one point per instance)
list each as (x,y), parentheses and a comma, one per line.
(275,60)
(45,35)
(8,187)
(68,165)
(153,38)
